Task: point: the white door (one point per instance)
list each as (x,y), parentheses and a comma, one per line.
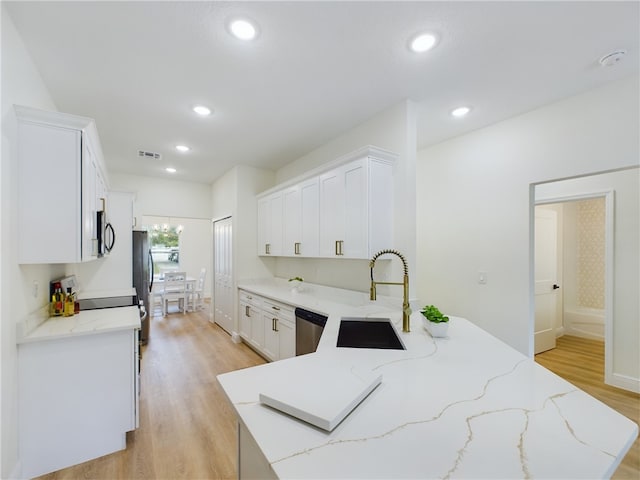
(546,278)
(222,274)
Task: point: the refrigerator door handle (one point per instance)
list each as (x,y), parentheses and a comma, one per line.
(153,273)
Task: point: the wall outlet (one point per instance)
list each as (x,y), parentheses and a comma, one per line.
(482,278)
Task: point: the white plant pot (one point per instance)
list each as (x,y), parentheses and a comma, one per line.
(296,285)
(438,330)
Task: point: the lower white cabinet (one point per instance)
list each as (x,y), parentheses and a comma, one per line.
(267,326)
(78,398)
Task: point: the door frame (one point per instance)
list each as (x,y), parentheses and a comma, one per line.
(609,201)
(213,269)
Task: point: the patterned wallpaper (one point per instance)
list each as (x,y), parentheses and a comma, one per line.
(591,216)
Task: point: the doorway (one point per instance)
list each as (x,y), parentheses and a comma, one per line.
(569,268)
(223,274)
(573,270)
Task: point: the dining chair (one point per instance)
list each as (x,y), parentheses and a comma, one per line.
(198,292)
(175,290)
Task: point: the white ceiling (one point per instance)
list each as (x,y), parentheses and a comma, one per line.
(315,70)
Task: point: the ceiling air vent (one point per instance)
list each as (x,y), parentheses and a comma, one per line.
(145,154)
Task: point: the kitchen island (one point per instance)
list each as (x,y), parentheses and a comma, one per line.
(464,406)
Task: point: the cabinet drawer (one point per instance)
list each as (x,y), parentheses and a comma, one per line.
(282,311)
(250,298)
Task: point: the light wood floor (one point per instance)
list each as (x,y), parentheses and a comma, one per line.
(187,426)
(581,362)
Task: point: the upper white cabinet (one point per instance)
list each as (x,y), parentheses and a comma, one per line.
(270,225)
(301,204)
(61,186)
(344,210)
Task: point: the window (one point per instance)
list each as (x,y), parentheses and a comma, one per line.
(165,247)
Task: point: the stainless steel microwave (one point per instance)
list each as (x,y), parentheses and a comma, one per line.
(106,235)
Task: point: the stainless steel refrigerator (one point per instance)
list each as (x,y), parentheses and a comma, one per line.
(143,276)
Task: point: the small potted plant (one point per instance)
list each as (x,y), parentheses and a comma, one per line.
(434,321)
(296,284)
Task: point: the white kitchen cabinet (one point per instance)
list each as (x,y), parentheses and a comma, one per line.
(341,210)
(356,209)
(279,330)
(250,306)
(301,219)
(60,173)
(78,398)
(270,225)
(267,326)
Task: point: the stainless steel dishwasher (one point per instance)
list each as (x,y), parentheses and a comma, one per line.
(309,327)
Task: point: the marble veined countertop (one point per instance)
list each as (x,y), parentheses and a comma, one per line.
(464,406)
(39,327)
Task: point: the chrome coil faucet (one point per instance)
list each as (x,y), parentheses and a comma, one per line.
(406,310)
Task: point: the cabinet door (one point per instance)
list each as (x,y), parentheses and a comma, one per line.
(331,212)
(49,198)
(355,209)
(271,340)
(309,218)
(270,225)
(257,331)
(291,221)
(89,200)
(287,336)
(263,233)
(275,220)
(343,211)
(245,320)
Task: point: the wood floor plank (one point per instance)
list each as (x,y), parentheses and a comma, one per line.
(581,362)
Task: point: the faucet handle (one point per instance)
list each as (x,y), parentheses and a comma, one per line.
(372,291)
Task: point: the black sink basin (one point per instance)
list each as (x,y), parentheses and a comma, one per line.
(368,333)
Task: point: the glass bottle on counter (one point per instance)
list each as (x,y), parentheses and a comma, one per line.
(57,301)
(69,303)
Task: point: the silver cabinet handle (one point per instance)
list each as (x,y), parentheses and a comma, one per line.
(275,324)
(296,248)
(246,310)
(275,308)
(267,248)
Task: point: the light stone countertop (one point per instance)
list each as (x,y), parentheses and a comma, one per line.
(39,327)
(464,406)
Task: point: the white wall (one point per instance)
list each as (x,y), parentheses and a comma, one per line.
(164,198)
(625,341)
(21,84)
(395,130)
(475,201)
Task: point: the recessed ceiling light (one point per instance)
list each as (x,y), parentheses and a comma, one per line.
(243,29)
(202,110)
(182,148)
(423,42)
(460,111)
(170,170)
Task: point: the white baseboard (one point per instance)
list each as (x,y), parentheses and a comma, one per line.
(625,382)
